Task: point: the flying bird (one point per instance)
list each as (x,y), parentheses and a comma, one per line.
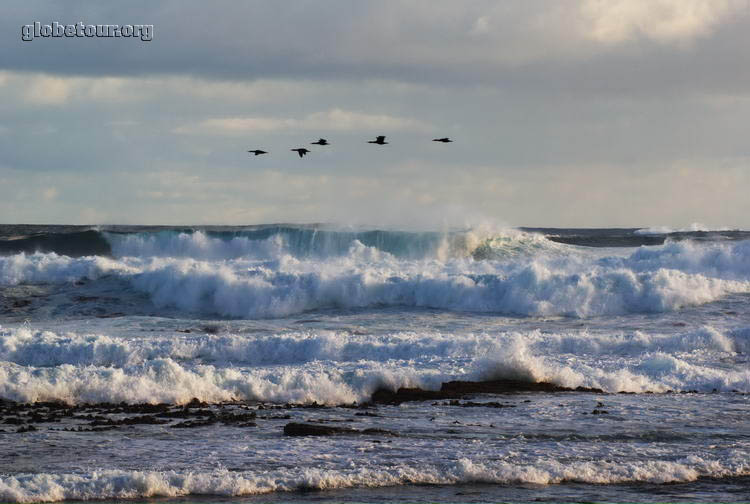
(322,141)
(379,140)
(258,152)
(444,140)
(301,151)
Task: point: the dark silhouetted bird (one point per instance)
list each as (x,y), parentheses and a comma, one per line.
(322,141)
(258,152)
(379,140)
(444,140)
(301,151)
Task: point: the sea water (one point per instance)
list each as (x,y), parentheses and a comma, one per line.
(304,323)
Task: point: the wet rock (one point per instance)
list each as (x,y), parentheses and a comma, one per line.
(196,403)
(307,429)
(276,417)
(85,299)
(381,432)
(136,420)
(194,423)
(237,419)
(457,389)
(87,429)
(472,404)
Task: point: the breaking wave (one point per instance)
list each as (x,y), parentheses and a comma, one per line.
(117,484)
(276,284)
(339,367)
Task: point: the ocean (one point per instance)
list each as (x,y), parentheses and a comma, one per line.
(323,363)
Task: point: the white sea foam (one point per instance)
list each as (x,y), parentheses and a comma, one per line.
(28,347)
(197,245)
(115,484)
(52,268)
(649,280)
(694,227)
(485,242)
(338,367)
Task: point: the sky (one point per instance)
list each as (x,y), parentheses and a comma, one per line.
(590,113)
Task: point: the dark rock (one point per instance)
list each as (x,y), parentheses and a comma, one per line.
(472,404)
(136,420)
(382,432)
(196,403)
(85,299)
(234,419)
(456,389)
(307,429)
(276,417)
(194,423)
(304,429)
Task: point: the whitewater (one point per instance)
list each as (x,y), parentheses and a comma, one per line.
(170,360)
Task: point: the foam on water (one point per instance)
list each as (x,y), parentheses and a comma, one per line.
(110,484)
(694,227)
(613,317)
(339,367)
(482,243)
(658,279)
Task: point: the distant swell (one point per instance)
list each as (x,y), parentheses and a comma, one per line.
(222,242)
(75,244)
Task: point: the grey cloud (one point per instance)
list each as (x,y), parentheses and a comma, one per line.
(544,112)
(529,46)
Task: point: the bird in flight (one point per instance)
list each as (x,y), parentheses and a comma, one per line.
(301,151)
(444,140)
(322,141)
(258,152)
(379,140)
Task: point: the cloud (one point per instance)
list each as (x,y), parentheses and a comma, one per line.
(563,113)
(332,120)
(436,41)
(50,193)
(44,90)
(665,21)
